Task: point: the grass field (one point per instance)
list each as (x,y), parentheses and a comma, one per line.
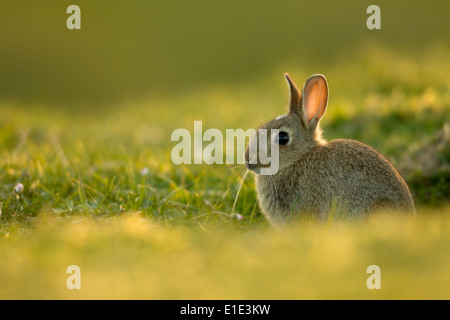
(100,190)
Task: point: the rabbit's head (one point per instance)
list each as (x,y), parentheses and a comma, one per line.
(290,136)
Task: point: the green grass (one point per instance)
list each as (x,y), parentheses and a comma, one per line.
(133,257)
(101,192)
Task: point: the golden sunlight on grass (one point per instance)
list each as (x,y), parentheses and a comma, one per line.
(132,257)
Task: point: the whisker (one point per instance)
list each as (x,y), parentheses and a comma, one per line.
(241,183)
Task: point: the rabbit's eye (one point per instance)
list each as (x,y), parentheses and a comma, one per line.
(283,138)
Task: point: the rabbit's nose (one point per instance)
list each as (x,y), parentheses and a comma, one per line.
(253,159)
(251,162)
(249,157)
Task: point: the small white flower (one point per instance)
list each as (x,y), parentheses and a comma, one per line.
(18,188)
(144,171)
(237,216)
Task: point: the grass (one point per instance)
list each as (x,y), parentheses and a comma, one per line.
(101,192)
(132,257)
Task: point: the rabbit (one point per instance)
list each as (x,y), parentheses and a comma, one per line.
(340,179)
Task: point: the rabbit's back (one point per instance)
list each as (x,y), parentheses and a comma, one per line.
(345,177)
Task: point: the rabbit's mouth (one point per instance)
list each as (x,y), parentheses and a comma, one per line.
(261,164)
(256,168)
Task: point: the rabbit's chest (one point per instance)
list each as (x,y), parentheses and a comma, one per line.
(282,196)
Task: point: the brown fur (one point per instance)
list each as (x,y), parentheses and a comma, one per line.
(344,177)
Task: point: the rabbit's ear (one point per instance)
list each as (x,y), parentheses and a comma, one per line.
(295,100)
(315,99)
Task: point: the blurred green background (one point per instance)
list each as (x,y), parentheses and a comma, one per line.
(134,49)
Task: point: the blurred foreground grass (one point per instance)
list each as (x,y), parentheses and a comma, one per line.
(134,257)
(101,192)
